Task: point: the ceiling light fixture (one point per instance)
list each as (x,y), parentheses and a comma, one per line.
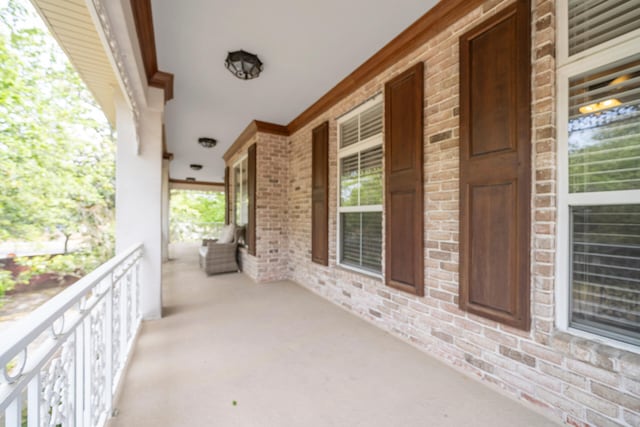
(243,65)
(195,167)
(190,178)
(207,142)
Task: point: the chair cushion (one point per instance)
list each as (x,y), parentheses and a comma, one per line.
(227,234)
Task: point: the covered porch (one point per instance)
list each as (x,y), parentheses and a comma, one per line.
(287,358)
(423,193)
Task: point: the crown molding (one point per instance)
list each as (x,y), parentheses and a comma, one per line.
(143,19)
(253,128)
(442,15)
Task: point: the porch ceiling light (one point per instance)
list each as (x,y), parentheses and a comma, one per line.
(207,142)
(195,167)
(243,65)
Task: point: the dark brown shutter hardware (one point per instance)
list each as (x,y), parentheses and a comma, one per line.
(495,167)
(320,194)
(251,191)
(403,159)
(227,207)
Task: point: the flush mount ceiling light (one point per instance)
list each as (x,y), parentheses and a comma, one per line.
(207,142)
(195,167)
(190,178)
(243,65)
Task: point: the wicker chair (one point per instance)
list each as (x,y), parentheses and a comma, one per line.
(218,258)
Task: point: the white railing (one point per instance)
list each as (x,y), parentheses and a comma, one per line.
(194,231)
(61,365)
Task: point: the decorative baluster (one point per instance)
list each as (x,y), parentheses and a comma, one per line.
(13,414)
(86,372)
(108,360)
(123,318)
(34,403)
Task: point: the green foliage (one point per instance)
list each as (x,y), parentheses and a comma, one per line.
(57,151)
(6,282)
(195,214)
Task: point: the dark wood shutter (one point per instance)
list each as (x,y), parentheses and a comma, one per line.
(495,167)
(251,191)
(404,248)
(227,206)
(320,194)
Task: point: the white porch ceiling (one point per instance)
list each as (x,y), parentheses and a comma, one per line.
(307,47)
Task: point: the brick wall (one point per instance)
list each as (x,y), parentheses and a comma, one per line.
(575,380)
(269,264)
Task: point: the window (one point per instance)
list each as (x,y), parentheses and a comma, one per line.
(360,194)
(241,198)
(599,186)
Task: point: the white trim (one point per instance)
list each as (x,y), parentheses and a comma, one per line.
(568,67)
(625,197)
(601,58)
(365,144)
(357,209)
(596,52)
(368,273)
(603,340)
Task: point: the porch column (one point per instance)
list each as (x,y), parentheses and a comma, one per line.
(139,197)
(165,210)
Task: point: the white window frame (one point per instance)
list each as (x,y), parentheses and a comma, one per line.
(595,57)
(371,142)
(238,184)
(562,44)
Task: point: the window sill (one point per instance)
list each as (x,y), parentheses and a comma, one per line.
(575,335)
(367,274)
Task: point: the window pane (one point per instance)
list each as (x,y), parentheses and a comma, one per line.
(349,132)
(605,274)
(592,22)
(349,181)
(244,216)
(371,177)
(372,241)
(350,238)
(604,129)
(371,122)
(237,198)
(361,240)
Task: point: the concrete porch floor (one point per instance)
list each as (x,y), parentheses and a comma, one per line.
(286,357)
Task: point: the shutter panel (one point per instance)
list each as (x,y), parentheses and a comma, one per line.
(495,167)
(251,190)
(320,195)
(404,249)
(227,206)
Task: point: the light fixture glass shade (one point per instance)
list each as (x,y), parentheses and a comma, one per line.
(243,65)
(207,142)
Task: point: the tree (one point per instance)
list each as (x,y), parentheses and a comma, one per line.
(195,214)
(57,154)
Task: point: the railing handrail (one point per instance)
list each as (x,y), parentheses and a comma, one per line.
(27,329)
